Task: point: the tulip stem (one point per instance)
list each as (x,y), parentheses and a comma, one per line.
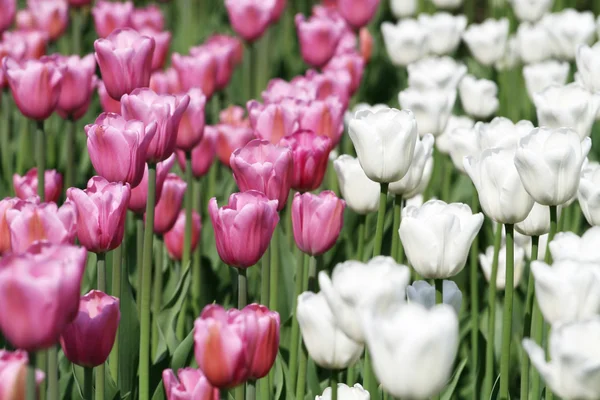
(198,301)
(380,219)
(41,154)
(70,150)
(187,239)
(157,297)
(302,267)
(88,383)
(274,290)
(397,248)
(474,289)
(303,357)
(242,288)
(508,311)
(144,371)
(5,152)
(139,242)
(52,373)
(31,389)
(527,321)
(251,390)
(333,382)
(489,346)
(265,278)
(113,361)
(439,291)
(360,248)
(101,271)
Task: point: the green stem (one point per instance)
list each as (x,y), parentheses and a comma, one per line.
(5,139)
(31,389)
(144,367)
(251,390)
(303,354)
(77,23)
(301,269)
(157,297)
(41,361)
(88,383)
(113,361)
(187,239)
(101,270)
(242,288)
(351,375)
(265,278)
(333,382)
(70,150)
(539,330)
(527,322)
(439,291)
(435,176)
(380,219)
(197,272)
(41,154)
(447,177)
(139,242)
(474,298)
(52,377)
(100,378)
(360,248)
(274,289)
(507,312)
(396,225)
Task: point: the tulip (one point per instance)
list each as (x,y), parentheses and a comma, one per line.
(355,286)
(437,237)
(403,8)
(191,126)
(51,17)
(189,384)
(531,10)
(351,63)
(487,41)
(324,117)
(410,341)
(331,84)
(539,76)
(35,86)
(423,293)
(588,60)
(360,193)
(7,204)
(424,182)
(533,43)
(501,133)
(549,162)
(203,154)
(447,4)
(349,115)
(445,143)
(537,222)
(568,29)
(13,370)
(139,194)
(442,73)
(88,340)
(384,142)
(273,121)
(410,181)
(26,186)
(357,13)
(10,46)
(431,108)
(567,343)
(110,16)
(356,392)
(125,61)
(25,21)
(162,41)
(569,246)
(227,52)
(405,42)
(165,82)
(168,206)
(9,9)
(366,44)
(589,195)
(479,97)
(250,18)
(39,293)
(445,31)
(318,38)
(231,138)
(249,217)
(174,237)
(35,41)
(78,84)
(310,156)
(148,17)
(485,261)
(199,71)
(109,105)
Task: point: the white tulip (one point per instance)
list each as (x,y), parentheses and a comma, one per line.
(439,73)
(445,31)
(413,349)
(403,8)
(437,237)
(427,172)
(539,76)
(502,133)
(410,181)
(463,142)
(431,108)
(345,392)
(354,286)
(486,259)
(569,106)
(511,57)
(479,97)
(584,249)
(361,193)
(533,43)
(589,193)
(531,10)
(384,142)
(327,345)
(588,67)
(443,142)
(567,291)
(447,4)
(423,293)
(487,41)
(362,107)
(568,29)
(415,201)
(405,42)
(537,222)
(573,370)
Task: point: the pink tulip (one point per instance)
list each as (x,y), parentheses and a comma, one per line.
(348,41)
(174,237)
(366,44)
(125,61)
(50,16)
(78,84)
(278,10)
(272,121)
(250,18)
(357,13)
(165,82)
(148,17)
(139,194)
(325,118)
(109,105)
(189,384)
(39,294)
(166,110)
(352,63)
(35,86)
(26,186)
(9,8)
(6,204)
(118,147)
(279,90)
(110,16)
(232,137)
(199,71)
(331,84)
(88,340)
(25,20)
(11,47)
(228,41)
(162,41)
(79,3)
(13,372)
(225,52)
(244,227)
(191,126)
(169,203)
(30,223)
(101,212)
(318,38)
(317,221)
(35,42)
(203,154)
(310,154)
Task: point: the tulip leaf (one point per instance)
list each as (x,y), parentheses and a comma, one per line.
(183,354)
(312,378)
(65,385)
(451,388)
(167,318)
(78,378)
(111,389)
(159,393)
(129,334)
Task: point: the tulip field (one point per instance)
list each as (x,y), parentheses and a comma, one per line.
(299,199)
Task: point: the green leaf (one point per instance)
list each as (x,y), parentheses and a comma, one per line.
(167,318)
(78,377)
(159,393)
(449,392)
(129,335)
(183,354)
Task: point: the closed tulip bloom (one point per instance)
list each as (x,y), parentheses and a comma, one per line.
(110,16)
(405,42)
(327,345)
(357,13)
(10,46)
(447,4)
(549,162)
(350,62)
(191,126)
(355,286)
(88,340)
(410,181)
(445,31)
(227,51)
(168,205)
(588,64)
(569,246)
(231,138)
(199,70)
(35,86)
(589,194)
(139,194)
(384,142)
(537,222)
(410,341)
(310,156)
(531,10)
(533,43)
(78,84)
(26,186)
(356,392)
(573,353)
(162,41)
(272,121)
(423,293)
(125,61)
(165,82)
(51,17)
(444,142)
(325,118)
(9,9)
(542,75)
(441,73)
(6,204)
(39,293)
(318,38)
(36,42)
(109,105)
(568,29)
(175,236)
(437,237)
(203,154)
(13,372)
(486,259)
(189,384)
(118,147)
(148,17)
(487,41)
(479,97)
(432,108)
(360,192)
(101,212)
(250,18)
(250,218)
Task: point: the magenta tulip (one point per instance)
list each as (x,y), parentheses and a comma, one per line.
(13,371)
(317,221)
(79,3)
(50,16)
(189,384)
(318,37)
(310,154)
(191,126)
(162,41)
(352,63)
(272,121)
(203,154)
(110,16)
(139,194)
(88,340)
(267,340)
(165,82)
(109,105)
(148,17)
(174,237)
(125,61)
(244,227)
(357,13)
(26,186)
(168,205)
(78,84)
(9,9)
(250,18)
(6,204)
(199,70)
(325,118)
(39,294)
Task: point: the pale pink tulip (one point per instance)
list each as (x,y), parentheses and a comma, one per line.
(26,186)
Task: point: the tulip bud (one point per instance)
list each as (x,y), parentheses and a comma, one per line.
(445,31)
(175,236)
(13,372)
(203,154)
(191,126)
(272,122)
(26,186)
(414,175)
(318,37)
(544,74)
(250,18)
(568,29)
(441,73)
(405,41)
(197,71)
(479,97)
(78,83)
(431,108)
(487,41)
(360,192)
(423,293)
(189,384)
(310,155)
(110,16)
(139,194)
(569,246)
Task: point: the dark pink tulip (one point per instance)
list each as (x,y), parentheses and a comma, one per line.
(101,212)
(50,16)
(199,71)
(310,154)
(318,38)
(35,42)
(125,61)
(325,118)
(148,17)
(189,384)
(9,8)
(6,204)
(352,63)
(267,340)
(139,194)
(272,121)
(26,186)
(243,228)
(79,3)
(110,16)
(162,41)
(317,221)
(168,205)
(191,126)
(35,86)
(165,82)
(118,147)
(265,167)
(88,340)
(250,18)
(278,10)
(39,294)
(203,154)
(13,372)
(225,52)
(78,84)
(109,105)
(230,138)
(166,110)
(357,13)
(174,238)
